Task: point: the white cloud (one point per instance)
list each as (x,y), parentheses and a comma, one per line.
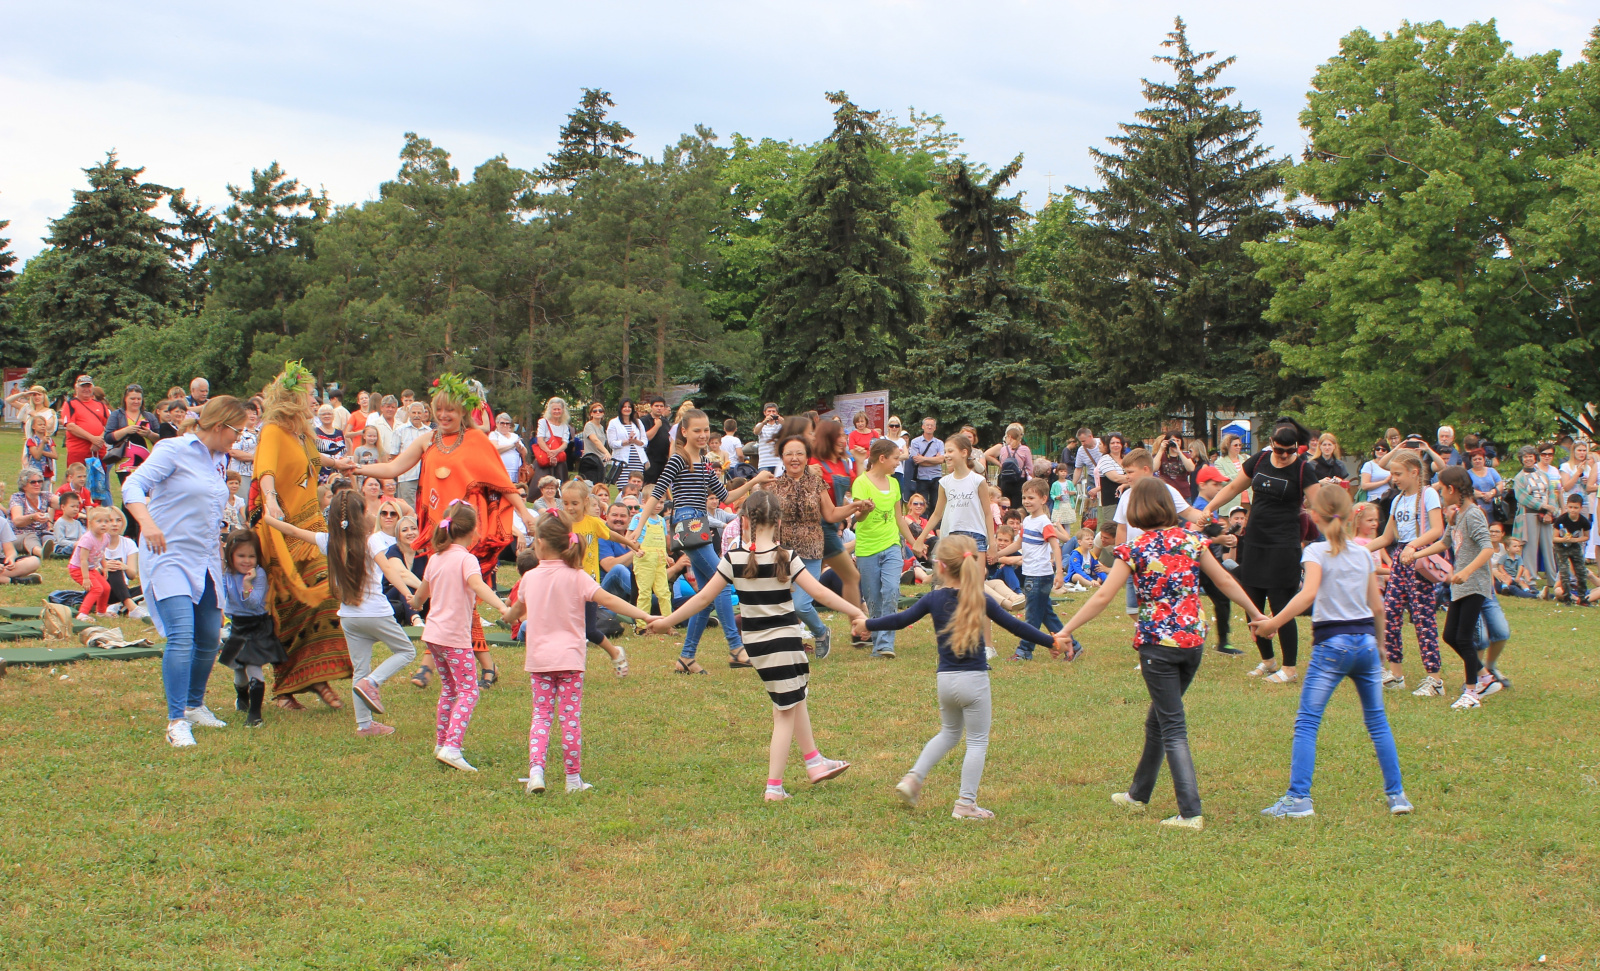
(199,93)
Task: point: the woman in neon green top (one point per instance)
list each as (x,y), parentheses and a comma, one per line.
(879,533)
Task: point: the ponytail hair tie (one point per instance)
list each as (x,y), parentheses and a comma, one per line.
(967,554)
(572,537)
(444,523)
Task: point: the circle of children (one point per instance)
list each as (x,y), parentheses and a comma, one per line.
(1162,522)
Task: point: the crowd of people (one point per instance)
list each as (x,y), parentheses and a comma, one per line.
(315,532)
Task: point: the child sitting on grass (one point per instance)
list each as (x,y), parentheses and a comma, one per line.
(68,528)
(1083,570)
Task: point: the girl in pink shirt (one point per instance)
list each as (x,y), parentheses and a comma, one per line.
(454,583)
(558,592)
(87,566)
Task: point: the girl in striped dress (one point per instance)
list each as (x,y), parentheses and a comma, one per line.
(762,571)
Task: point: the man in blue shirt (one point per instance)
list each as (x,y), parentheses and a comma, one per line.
(927,454)
(616,560)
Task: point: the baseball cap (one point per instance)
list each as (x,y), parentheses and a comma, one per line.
(1210,473)
(83,379)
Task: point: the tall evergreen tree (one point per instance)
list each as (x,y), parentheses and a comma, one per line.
(588,140)
(1168,300)
(989,348)
(16,347)
(844,286)
(118,264)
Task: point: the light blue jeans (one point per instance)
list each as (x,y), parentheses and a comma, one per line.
(880,590)
(194,635)
(1345,655)
(806,608)
(704,562)
(618,581)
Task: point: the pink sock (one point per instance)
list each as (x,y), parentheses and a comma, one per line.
(774,783)
(814,753)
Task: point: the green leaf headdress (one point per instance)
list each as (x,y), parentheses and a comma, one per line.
(296,377)
(457,388)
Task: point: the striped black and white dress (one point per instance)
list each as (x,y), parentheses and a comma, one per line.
(771,627)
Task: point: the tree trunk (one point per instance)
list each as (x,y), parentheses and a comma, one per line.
(661,353)
(527,361)
(627,315)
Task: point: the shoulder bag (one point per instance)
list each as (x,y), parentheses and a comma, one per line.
(1434,568)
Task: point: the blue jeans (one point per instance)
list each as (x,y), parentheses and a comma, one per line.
(1167,671)
(618,582)
(1346,655)
(805,607)
(704,562)
(1039,613)
(194,635)
(1006,574)
(880,591)
(1492,626)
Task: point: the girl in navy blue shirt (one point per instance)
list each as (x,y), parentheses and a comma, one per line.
(958,608)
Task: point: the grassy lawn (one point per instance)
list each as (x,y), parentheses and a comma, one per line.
(301,845)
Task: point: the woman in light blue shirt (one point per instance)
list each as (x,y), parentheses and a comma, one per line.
(178,496)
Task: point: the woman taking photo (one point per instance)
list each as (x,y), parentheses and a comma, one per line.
(627,437)
(130,432)
(1537,509)
(550,440)
(178,496)
(1375,477)
(1269,551)
(691,482)
(1230,462)
(288,460)
(805,496)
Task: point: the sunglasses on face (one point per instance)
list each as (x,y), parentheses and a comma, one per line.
(1547,455)
(390,513)
(1284,450)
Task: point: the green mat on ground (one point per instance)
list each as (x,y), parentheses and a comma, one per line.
(67,655)
(499,637)
(31,630)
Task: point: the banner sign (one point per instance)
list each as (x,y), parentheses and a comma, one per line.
(875,403)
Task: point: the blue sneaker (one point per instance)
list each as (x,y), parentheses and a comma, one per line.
(824,644)
(1291,807)
(1399,805)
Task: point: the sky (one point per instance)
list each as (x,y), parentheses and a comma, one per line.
(199,93)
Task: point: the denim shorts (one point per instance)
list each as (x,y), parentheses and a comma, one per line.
(979,538)
(1493,621)
(832,545)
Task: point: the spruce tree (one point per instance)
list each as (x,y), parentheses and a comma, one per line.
(118,264)
(1167,299)
(588,141)
(844,287)
(16,348)
(990,346)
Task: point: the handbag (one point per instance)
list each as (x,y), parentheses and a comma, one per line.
(691,534)
(545,454)
(1433,568)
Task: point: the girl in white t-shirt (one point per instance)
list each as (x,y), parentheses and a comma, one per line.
(358,560)
(1346,641)
(1415,521)
(964,495)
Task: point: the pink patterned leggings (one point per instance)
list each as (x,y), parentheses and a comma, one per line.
(552,689)
(1408,592)
(458,692)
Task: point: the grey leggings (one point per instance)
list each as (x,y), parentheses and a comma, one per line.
(963,702)
(1538,541)
(360,633)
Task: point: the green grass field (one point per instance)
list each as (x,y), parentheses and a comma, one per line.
(301,845)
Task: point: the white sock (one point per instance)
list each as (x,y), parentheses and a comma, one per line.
(574,779)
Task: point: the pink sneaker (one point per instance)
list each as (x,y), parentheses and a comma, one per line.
(374,730)
(825,769)
(370,694)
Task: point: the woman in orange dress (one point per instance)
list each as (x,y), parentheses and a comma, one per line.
(285,487)
(459,463)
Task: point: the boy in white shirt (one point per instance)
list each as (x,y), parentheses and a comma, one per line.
(732,448)
(1040,543)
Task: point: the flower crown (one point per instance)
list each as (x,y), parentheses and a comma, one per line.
(457,387)
(296,377)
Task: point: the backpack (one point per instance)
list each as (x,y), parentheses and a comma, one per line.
(1010,477)
(607,623)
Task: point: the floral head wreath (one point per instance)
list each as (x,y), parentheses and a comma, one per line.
(296,377)
(457,387)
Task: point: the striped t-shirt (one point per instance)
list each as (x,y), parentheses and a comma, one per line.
(1037,532)
(690,486)
(771,627)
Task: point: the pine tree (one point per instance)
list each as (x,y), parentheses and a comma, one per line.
(263,243)
(989,347)
(118,264)
(588,141)
(844,288)
(16,348)
(1168,301)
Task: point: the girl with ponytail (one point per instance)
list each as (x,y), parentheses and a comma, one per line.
(958,608)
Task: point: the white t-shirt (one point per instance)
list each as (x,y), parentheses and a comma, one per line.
(1134,532)
(1377,476)
(767,452)
(1581,486)
(506,444)
(1404,513)
(733,449)
(1037,531)
(963,511)
(373,602)
(124,549)
(1342,595)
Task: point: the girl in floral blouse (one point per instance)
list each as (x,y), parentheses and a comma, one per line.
(1169,634)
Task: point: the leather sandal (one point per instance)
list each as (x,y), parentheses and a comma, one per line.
(420,679)
(685,665)
(327,694)
(288,703)
(740,660)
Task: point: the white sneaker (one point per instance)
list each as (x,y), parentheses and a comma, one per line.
(579,786)
(179,734)
(1468,699)
(139,613)
(1431,687)
(452,757)
(1185,822)
(989,652)
(535,782)
(203,717)
(1128,802)
(113,610)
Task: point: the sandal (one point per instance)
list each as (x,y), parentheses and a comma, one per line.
(489,677)
(420,679)
(1260,669)
(620,663)
(327,694)
(288,703)
(1280,676)
(740,660)
(686,665)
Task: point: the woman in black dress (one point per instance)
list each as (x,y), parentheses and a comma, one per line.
(1282,481)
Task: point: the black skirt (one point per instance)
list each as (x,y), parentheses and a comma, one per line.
(252,640)
(1269,567)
